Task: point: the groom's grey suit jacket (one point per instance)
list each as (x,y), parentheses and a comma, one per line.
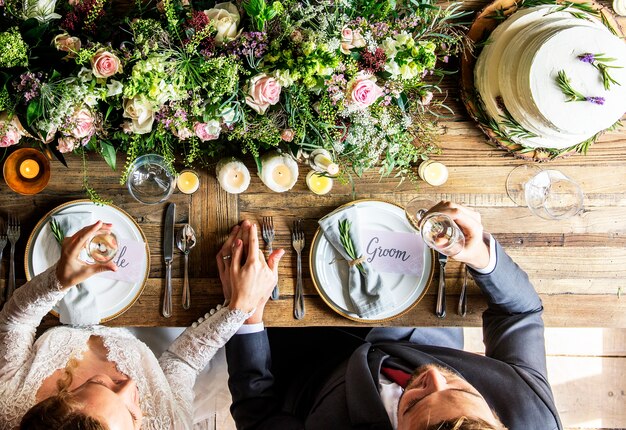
(511,376)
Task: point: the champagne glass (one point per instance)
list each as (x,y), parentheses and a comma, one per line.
(549,194)
(438,230)
(102,247)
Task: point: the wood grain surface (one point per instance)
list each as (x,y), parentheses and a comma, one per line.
(578,265)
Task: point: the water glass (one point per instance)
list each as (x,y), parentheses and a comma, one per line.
(552,195)
(102,247)
(150,179)
(438,230)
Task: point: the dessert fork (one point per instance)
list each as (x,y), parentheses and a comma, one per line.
(13,234)
(297,240)
(267,231)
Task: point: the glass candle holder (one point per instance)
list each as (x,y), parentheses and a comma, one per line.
(27,171)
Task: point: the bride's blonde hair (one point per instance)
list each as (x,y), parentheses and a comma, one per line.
(61,411)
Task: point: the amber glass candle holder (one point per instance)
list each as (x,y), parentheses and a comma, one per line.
(26,171)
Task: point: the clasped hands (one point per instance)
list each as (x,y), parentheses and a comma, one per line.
(247,278)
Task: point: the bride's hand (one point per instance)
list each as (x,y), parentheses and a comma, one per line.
(70,269)
(223,261)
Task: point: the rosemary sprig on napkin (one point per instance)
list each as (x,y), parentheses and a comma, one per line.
(348,244)
(58,233)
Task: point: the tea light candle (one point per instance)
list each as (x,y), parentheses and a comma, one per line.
(279,172)
(619,6)
(188,182)
(433,172)
(29,168)
(318,183)
(233,175)
(323,162)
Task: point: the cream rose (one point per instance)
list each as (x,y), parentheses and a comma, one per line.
(81,124)
(225,18)
(351,39)
(141,114)
(207,130)
(263,91)
(66,43)
(105,64)
(364,92)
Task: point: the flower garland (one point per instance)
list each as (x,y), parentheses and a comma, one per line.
(197,81)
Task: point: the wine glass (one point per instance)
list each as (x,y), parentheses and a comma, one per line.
(102,247)
(438,230)
(549,194)
(150,179)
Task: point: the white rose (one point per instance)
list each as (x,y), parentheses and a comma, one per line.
(225,17)
(141,114)
(389,46)
(403,38)
(114,88)
(41,10)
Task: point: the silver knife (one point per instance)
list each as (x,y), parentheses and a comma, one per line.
(440,309)
(168,255)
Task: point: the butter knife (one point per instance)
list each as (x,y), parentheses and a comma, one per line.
(168,255)
(440,309)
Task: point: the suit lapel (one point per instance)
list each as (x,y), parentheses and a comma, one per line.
(363,399)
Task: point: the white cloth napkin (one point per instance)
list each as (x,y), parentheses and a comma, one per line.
(80,305)
(366,291)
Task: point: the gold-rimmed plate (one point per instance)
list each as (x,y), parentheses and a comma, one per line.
(330,273)
(114,297)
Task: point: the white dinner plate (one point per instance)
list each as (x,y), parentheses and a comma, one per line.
(114,297)
(330,276)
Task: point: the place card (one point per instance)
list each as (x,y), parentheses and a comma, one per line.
(129,261)
(393,252)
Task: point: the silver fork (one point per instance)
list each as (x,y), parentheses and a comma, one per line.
(297,240)
(13,234)
(267,231)
(3,244)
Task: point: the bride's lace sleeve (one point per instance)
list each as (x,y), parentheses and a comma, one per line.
(20,317)
(193,350)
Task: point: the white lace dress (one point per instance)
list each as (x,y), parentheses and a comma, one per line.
(165,386)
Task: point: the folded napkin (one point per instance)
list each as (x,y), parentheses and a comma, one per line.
(366,291)
(80,305)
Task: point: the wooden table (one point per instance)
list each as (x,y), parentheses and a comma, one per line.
(578,266)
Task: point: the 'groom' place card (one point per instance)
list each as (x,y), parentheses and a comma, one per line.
(130,254)
(393,252)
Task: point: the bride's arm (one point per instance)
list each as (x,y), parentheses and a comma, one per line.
(22,314)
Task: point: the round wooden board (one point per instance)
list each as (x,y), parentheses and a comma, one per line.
(480,30)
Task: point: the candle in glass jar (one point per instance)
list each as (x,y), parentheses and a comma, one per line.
(188,182)
(318,183)
(322,161)
(233,175)
(433,172)
(29,168)
(279,172)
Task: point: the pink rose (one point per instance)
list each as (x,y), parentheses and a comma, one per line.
(66,43)
(207,131)
(10,130)
(287,135)
(351,39)
(263,91)
(364,92)
(105,64)
(67,144)
(427,98)
(81,124)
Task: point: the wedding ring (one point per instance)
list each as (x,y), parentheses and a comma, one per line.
(226,257)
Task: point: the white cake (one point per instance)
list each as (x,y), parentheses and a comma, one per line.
(516,72)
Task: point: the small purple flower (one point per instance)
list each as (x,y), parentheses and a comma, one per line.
(595,100)
(587,58)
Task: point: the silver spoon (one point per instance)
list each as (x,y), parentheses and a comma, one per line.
(185,241)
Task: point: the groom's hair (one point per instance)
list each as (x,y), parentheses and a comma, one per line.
(465,423)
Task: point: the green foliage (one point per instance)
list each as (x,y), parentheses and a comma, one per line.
(221,78)
(57,231)
(348,244)
(13,49)
(261,13)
